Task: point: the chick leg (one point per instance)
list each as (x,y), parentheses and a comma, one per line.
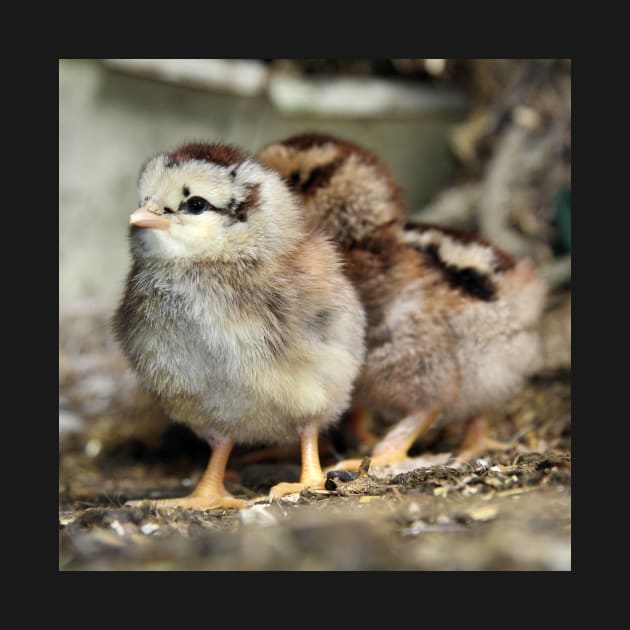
(209,493)
(359,420)
(476,440)
(312,475)
(394,446)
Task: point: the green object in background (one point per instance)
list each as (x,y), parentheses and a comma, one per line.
(562,217)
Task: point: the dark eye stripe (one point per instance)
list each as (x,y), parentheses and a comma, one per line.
(236,211)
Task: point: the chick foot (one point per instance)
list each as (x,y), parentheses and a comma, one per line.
(353,465)
(284,488)
(312,475)
(394,446)
(209,494)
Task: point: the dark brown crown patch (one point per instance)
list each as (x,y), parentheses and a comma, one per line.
(216,153)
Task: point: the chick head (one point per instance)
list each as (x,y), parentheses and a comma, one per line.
(345,190)
(212,202)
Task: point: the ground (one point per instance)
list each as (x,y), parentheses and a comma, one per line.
(506,510)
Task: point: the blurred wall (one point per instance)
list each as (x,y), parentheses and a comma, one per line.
(111,122)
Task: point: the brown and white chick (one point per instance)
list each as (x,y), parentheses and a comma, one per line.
(450,318)
(237,319)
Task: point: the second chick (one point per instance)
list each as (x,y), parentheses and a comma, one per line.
(450,318)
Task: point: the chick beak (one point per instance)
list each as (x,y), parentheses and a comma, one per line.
(146,217)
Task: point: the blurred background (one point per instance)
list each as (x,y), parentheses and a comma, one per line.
(479,144)
(483,144)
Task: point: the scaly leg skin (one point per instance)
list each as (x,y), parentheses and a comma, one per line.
(312,475)
(209,494)
(397,442)
(476,441)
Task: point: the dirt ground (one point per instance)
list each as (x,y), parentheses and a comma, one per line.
(506,510)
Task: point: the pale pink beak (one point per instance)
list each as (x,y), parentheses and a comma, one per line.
(145,217)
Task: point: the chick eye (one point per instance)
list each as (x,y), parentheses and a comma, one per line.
(195,205)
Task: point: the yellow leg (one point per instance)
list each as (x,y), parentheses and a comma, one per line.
(476,440)
(312,475)
(209,493)
(394,446)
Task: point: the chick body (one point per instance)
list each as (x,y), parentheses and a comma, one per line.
(240,322)
(450,318)
(463,344)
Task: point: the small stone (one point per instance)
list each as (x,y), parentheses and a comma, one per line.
(149,528)
(294,497)
(118,528)
(414,508)
(65,518)
(258,514)
(526,117)
(93,448)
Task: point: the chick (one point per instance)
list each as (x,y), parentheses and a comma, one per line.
(450,318)
(235,317)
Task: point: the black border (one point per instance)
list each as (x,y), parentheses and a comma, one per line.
(33,290)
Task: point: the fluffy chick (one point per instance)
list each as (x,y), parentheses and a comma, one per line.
(237,319)
(450,318)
